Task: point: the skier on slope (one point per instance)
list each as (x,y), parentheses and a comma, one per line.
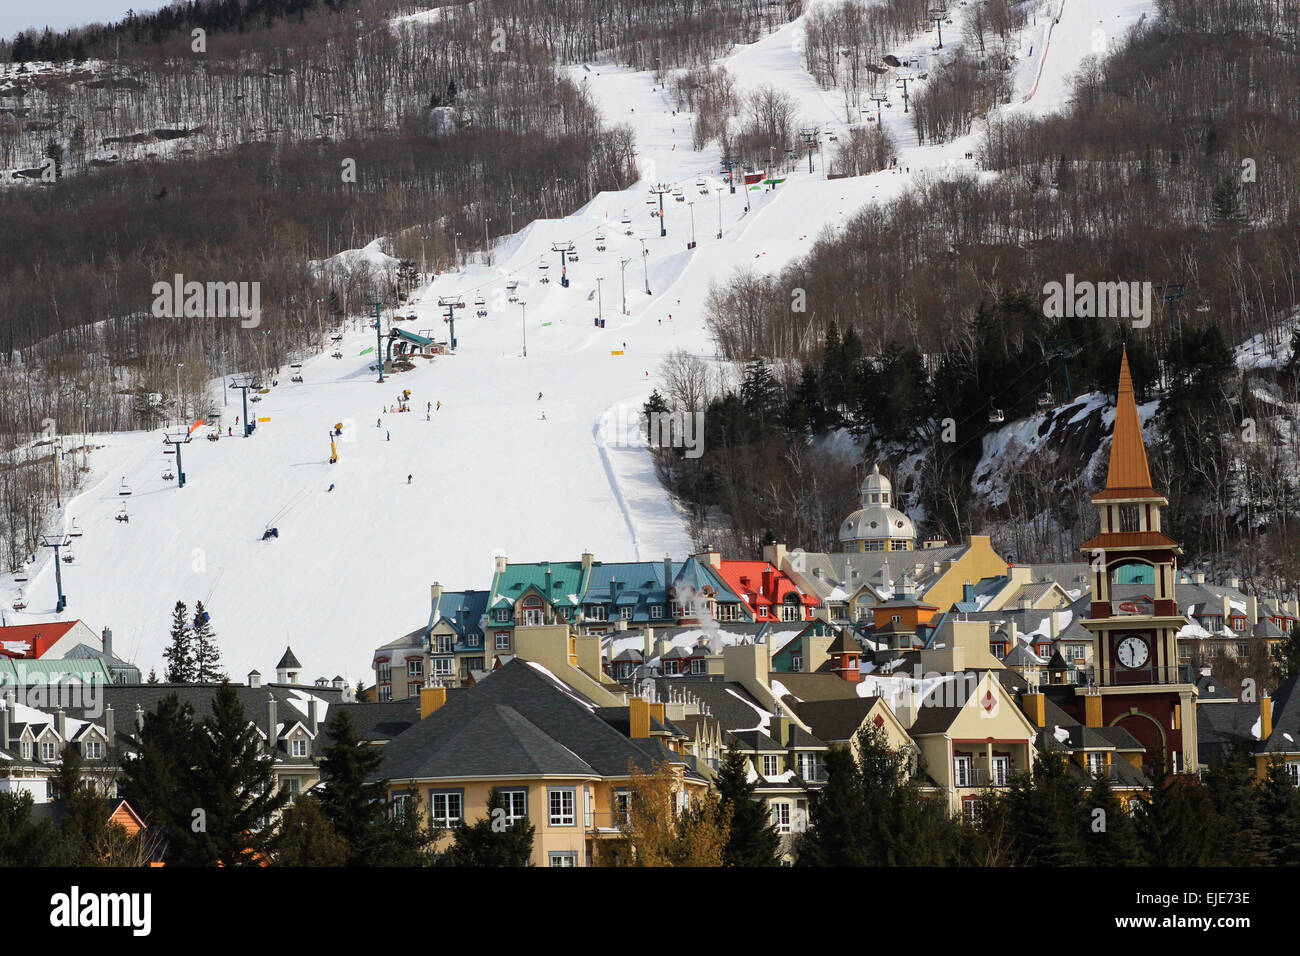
(539,396)
(408,479)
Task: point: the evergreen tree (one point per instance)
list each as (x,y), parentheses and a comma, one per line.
(203,643)
(1171,819)
(1238,839)
(1047,808)
(179,655)
(24,842)
(753,839)
(491,841)
(837,817)
(1110,838)
(84,825)
(307,838)
(1279,806)
(356,802)
(158,782)
(654,405)
(234,786)
(761,397)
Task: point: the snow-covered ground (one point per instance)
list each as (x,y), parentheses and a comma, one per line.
(496,469)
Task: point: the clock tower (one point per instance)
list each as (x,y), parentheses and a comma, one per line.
(1137,681)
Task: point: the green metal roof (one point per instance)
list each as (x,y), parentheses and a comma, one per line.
(24,672)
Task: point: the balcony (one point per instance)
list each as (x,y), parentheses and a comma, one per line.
(1129,677)
(979,777)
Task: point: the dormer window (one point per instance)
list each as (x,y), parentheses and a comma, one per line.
(656,611)
(533,611)
(298,747)
(49,750)
(27,750)
(596,612)
(94,749)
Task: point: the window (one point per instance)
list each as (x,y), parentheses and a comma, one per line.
(48,750)
(401,804)
(672,667)
(1293,771)
(625,613)
(473,640)
(796,663)
(809,765)
(563,859)
(385,693)
(533,617)
(442,666)
(1001,767)
(1184,652)
(293,787)
(298,747)
(998,649)
(503,640)
(781,816)
(622,806)
(94,749)
(515,803)
(675,609)
(771,765)
(1243,650)
(385,669)
(561,805)
(445,808)
(791,612)
(1238,623)
(656,611)
(415,667)
(596,612)
(501,615)
(1096,763)
(1076,652)
(444,644)
(896,618)
(27,750)
(962,774)
(697,666)
(728,612)
(970,810)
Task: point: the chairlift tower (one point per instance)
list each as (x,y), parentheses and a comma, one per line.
(57,541)
(902,80)
(451,304)
(938,16)
(181,437)
(878,100)
(564,249)
(659,191)
(244,383)
(379,340)
(810,141)
(1064,349)
(1171,292)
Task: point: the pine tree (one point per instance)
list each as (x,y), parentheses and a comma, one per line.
(753,839)
(1172,818)
(24,842)
(84,825)
(234,786)
(307,838)
(356,801)
(654,405)
(205,655)
(491,841)
(1047,808)
(157,783)
(1238,839)
(1279,805)
(179,655)
(837,817)
(1110,838)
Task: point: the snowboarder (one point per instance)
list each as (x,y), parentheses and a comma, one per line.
(439,408)
(330,488)
(539,396)
(378,423)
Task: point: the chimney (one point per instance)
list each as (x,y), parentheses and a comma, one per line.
(435,595)
(1026,602)
(1013,632)
(638,718)
(1206,670)
(254,678)
(110,725)
(1234,582)
(1053,625)
(620,624)
(659,646)
(1198,577)
(108,643)
(139,720)
(1092,710)
(431,698)
(1227,611)
(647,643)
(587,560)
(668,572)
(968,593)
(1265,717)
(500,561)
(272,724)
(61,724)
(311,715)
(779,729)
(4,723)
(1035,707)
(1252,609)
(774,554)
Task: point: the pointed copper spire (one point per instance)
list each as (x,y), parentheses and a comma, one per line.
(1128,472)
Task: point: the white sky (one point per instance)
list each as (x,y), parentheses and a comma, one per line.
(18,15)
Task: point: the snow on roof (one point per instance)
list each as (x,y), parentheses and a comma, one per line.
(1192,629)
(764,718)
(1060,733)
(780,691)
(562,686)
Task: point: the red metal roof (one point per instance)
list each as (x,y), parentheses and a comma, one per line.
(39,638)
(764,586)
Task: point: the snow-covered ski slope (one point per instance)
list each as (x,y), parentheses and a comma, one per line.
(496,469)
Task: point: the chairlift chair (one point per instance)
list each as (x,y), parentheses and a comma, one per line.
(996,415)
(479,300)
(124,489)
(122,514)
(75,531)
(168,476)
(20,602)
(337,355)
(20,575)
(68,556)
(1044,400)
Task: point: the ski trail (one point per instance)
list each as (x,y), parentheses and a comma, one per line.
(603,450)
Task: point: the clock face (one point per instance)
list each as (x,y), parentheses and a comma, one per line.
(1133,652)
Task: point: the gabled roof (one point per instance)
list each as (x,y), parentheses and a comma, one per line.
(37,638)
(1286,720)
(461,610)
(835,720)
(567,581)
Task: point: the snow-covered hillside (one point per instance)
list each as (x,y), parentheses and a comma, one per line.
(534,457)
